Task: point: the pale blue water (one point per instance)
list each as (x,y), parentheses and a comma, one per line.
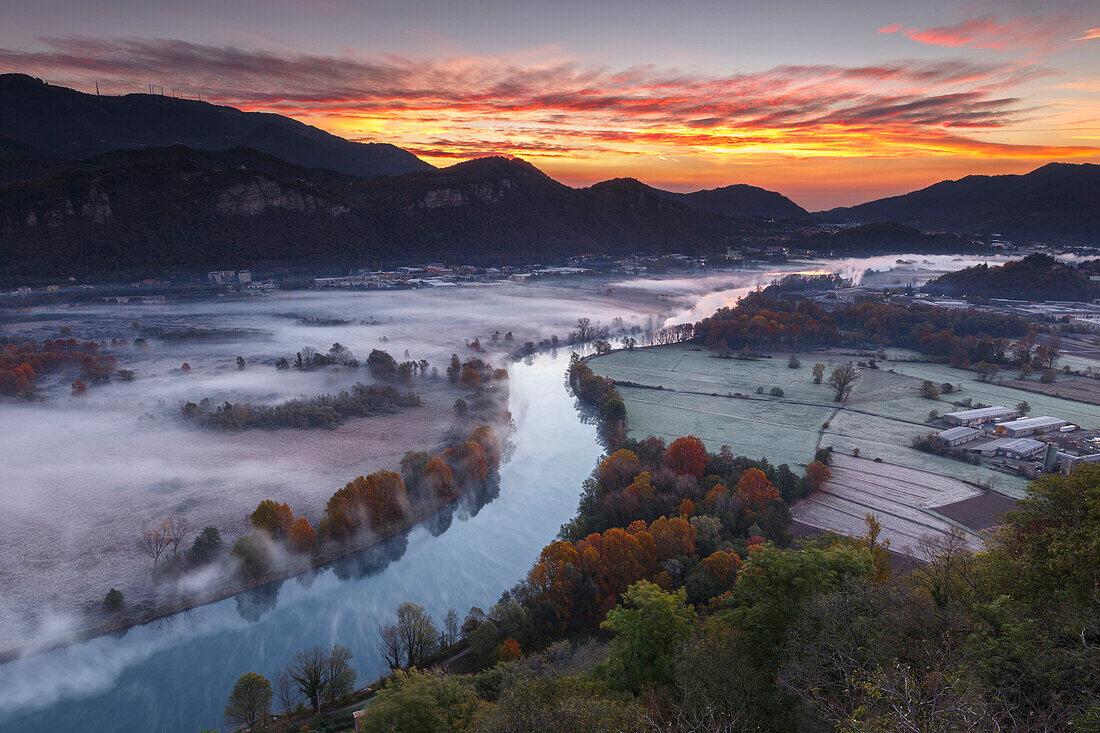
(175,675)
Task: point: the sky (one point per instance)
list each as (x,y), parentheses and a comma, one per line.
(829,103)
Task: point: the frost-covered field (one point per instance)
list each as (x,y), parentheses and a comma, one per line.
(900,498)
(882,415)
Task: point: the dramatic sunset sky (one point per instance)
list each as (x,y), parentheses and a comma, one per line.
(829,103)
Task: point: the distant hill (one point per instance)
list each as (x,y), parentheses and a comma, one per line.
(157,209)
(880,238)
(1057,202)
(45,122)
(1035,277)
(741,200)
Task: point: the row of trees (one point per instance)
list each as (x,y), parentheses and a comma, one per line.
(322,411)
(599,393)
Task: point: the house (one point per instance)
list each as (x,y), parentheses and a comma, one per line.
(1019,448)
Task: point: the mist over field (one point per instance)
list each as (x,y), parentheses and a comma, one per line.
(85,476)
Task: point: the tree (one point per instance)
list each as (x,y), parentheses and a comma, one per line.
(461,409)
(793,362)
(253,555)
(754,491)
(454,369)
(179,529)
(339,675)
(155,540)
(1023,407)
(79,388)
(250,700)
(240,362)
(929,390)
(818,373)
(205,547)
(287,691)
(647,625)
(450,628)
(302,537)
(418,635)
(273,518)
(113,600)
(817,473)
(509,651)
(309,671)
(687,456)
(843,379)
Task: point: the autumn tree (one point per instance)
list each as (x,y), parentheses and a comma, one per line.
(79,388)
(436,478)
(687,508)
(842,380)
(673,537)
(754,490)
(250,700)
(554,581)
(467,462)
(618,470)
(274,518)
(687,456)
(817,473)
(722,565)
(487,438)
(509,651)
(302,537)
(818,373)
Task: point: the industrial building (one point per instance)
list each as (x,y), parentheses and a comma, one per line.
(1029,426)
(980,416)
(957,436)
(1018,448)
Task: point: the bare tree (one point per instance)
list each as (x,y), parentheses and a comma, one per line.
(179,529)
(155,540)
(392,647)
(450,628)
(287,690)
(310,671)
(843,379)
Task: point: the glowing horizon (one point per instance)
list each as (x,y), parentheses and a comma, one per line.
(987,93)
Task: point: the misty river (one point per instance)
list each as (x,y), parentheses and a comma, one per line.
(174,675)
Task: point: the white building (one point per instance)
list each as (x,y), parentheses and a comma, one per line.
(1020,448)
(1029,426)
(957,436)
(980,416)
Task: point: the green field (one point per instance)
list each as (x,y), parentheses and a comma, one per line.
(884,412)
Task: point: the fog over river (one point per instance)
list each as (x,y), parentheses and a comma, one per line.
(82,477)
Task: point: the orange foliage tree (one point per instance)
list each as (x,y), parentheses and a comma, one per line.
(273,518)
(509,651)
(437,478)
(554,580)
(467,461)
(687,508)
(817,473)
(302,537)
(716,498)
(754,490)
(616,559)
(722,565)
(487,438)
(618,469)
(673,537)
(378,498)
(687,456)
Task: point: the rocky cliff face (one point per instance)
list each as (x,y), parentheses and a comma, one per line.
(260,194)
(93,204)
(452,197)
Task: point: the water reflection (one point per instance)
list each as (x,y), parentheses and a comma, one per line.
(174,675)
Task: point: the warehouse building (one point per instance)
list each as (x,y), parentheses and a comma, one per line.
(1029,426)
(1019,448)
(957,436)
(980,416)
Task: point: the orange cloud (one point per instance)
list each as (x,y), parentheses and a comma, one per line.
(891,28)
(1033,33)
(591,121)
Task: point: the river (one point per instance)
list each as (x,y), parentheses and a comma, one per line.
(174,675)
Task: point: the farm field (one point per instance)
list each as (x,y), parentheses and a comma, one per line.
(682,389)
(902,499)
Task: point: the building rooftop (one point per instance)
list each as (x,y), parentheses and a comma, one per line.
(1025,423)
(979,412)
(959,432)
(1015,445)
